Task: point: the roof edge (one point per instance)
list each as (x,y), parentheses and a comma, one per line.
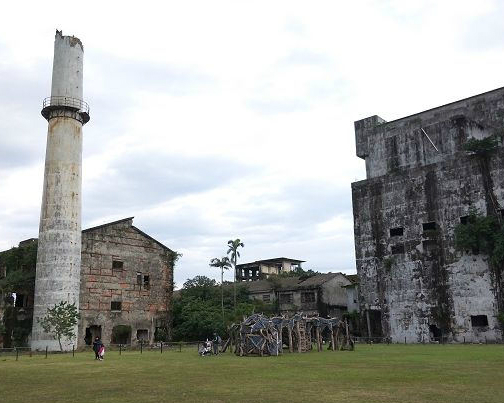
(442,106)
(107,224)
(151,238)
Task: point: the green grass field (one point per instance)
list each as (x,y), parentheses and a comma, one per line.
(378,373)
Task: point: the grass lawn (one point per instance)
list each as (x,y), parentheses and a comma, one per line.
(378,373)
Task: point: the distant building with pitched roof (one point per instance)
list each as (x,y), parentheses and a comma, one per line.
(323,294)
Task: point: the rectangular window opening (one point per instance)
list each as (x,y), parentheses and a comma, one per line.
(139,279)
(143,335)
(307,297)
(397,249)
(20,301)
(429,245)
(117,265)
(465,219)
(396,231)
(266,297)
(146,282)
(479,320)
(115,305)
(286,298)
(429,226)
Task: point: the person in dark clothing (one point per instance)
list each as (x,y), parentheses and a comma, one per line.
(97,345)
(216,341)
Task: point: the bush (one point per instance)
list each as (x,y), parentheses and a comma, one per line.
(482,146)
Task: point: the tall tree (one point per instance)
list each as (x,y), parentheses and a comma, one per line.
(224,264)
(233,246)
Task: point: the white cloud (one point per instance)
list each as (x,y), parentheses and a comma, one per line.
(223,119)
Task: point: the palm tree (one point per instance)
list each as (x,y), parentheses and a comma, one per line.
(224,264)
(233,250)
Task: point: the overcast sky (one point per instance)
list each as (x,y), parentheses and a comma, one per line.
(214,120)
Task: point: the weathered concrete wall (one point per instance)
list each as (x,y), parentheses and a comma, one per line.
(58,258)
(333,291)
(389,146)
(67,67)
(416,278)
(142,307)
(352,293)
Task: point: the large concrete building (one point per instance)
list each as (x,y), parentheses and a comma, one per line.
(126,286)
(421,184)
(59,245)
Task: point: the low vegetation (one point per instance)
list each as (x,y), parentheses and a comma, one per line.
(197,310)
(376,373)
(481,234)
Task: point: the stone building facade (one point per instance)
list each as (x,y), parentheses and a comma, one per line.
(126,284)
(421,184)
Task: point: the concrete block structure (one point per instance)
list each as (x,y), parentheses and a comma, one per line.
(59,245)
(421,184)
(262,269)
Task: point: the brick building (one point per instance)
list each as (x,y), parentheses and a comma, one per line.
(126,285)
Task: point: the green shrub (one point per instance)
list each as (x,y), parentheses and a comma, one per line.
(482,146)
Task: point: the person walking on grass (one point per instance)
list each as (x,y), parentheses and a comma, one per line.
(101,352)
(97,345)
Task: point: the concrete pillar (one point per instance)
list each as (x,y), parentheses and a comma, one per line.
(59,246)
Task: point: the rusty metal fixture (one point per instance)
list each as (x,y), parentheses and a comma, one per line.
(60,106)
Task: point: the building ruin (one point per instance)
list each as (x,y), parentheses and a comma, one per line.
(262,269)
(415,286)
(126,287)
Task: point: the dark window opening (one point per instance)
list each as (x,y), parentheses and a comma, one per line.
(92,332)
(143,335)
(161,334)
(397,249)
(307,297)
(121,334)
(266,297)
(146,282)
(396,231)
(429,226)
(375,322)
(116,306)
(434,332)
(117,265)
(464,219)
(429,245)
(502,212)
(479,320)
(139,279)
(286,298)
(20,301)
